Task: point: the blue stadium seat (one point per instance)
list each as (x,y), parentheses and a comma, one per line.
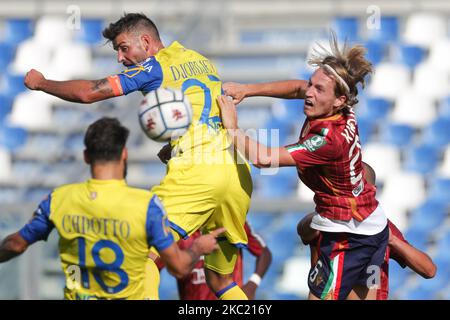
(439,282)
(12,196)
(36,194)
(373,109)
(270,278)
(276,187)
(346,28)
(421,159)
(283,296)
(388,31)
(5,107)
(443,246)
(6,55)
(13,84)
(375,51)
(74,143)
(260,221)
(410,55)
(17,30)
(418,294)
(440,191)
(399,135)
(437,134)
(397,276)
(427,217)
(90,31)
(168,286)
(417,238)
(251,37)
(444,108)
(276,124)
(365,128)
(12,138)
(282,243)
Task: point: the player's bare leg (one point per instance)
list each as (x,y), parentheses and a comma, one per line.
(224,286)
(361,292)
(312,297)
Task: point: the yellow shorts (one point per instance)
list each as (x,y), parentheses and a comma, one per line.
(208,194)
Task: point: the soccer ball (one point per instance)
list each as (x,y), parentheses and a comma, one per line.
(165,114)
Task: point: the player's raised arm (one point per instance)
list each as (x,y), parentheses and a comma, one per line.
(259,249)
(288,89)
(414,258)
(12,246)
(82,91)
(258,154)
(180,262)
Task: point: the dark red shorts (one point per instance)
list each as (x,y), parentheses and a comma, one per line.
(346,260)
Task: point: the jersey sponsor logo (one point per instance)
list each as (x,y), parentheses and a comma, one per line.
(132,72)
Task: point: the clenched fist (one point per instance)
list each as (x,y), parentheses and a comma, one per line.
(33,79)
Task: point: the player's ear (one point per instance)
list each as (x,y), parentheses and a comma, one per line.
(339,102)
(86,157)
(146,41)
(124,154)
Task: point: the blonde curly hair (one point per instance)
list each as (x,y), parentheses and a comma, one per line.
(348,64)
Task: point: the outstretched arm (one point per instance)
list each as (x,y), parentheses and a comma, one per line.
(180,262)
(262,265)
(289,89)
(258,154)
(304,230)
(12,246)
(417,260)
(82,91)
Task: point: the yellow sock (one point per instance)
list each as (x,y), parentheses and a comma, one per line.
(231,292)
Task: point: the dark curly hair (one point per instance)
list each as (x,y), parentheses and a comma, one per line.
(131,22)
(105,140)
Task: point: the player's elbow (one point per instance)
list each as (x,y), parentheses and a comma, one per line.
(14,245)
(268,255)
(86,97)
(430,271)
(178,272)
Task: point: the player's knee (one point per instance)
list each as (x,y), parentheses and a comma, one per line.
(217,281)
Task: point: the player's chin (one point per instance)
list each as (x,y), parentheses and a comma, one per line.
(308,111)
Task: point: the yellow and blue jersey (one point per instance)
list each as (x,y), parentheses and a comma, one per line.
(184,69)
(106,229)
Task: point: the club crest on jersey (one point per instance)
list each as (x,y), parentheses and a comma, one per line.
(132,72)
(314,143)
(93,195)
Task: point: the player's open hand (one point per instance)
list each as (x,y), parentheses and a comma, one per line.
(165,153)
(207,243)
(33,78)
(234,90)
(228,112)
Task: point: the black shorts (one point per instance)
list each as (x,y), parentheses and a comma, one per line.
(346,260)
